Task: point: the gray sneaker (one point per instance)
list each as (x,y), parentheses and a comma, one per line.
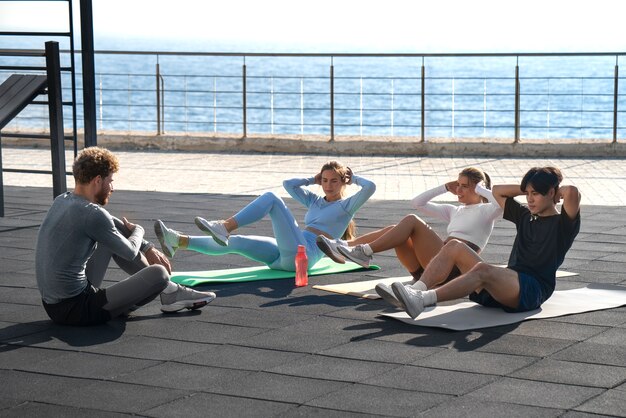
(385,292)
(412,299)
(167,237)
(355,254)
(185,298)
(215,229)
(329,247)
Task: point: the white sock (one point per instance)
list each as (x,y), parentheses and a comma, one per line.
(367,249)
(171,288)
(420,285)
(430,297)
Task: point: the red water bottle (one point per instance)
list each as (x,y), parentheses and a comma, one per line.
(302,265)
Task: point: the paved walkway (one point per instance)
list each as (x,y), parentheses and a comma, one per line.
(601,181)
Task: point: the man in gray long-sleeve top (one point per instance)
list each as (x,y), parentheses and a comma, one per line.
(76,241)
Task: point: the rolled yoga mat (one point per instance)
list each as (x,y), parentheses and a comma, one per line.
(250,274)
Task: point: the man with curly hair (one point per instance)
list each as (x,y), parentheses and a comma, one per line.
(76,242)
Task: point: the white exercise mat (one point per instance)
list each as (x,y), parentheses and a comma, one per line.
(365,289)
(469,315)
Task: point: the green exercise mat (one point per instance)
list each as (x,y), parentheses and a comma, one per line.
(250,274)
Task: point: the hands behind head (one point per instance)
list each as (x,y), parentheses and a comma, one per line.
(558,195)
(451,186)
(348,177)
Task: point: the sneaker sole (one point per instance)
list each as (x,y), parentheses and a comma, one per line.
(208,231)
(354,260)
(191,305)
(403,295)
(158,230)
(389,297)
(326,249)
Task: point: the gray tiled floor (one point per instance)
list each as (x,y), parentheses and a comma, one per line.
(269,349)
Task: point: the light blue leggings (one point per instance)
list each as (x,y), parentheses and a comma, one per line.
(277,253)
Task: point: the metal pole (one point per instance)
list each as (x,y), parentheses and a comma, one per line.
(1,183)
(332,100)
(245,101)
(517,103)
(55,110)
(423,94)
(615,98)
(158,97)
(89,81)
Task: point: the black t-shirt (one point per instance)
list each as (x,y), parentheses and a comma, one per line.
(541,242)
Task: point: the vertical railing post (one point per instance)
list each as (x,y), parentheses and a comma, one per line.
(615,98)
(245,100)
(158,96)
(332,100)
(517,102)
(1,183)
(423,94)
(89,81)
(55,111)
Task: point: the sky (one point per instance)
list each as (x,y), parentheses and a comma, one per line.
(415,26)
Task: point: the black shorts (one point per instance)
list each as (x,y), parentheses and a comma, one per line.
(86,308)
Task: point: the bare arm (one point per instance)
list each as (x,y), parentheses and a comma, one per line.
(501,192)
(571,199)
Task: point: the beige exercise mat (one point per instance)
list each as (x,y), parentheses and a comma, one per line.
(365,289)
(469,315)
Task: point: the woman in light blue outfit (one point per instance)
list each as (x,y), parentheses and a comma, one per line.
(329,215)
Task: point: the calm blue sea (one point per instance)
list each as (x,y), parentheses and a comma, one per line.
(561,97)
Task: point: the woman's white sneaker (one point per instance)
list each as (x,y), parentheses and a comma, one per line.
(168,238)
(215,229)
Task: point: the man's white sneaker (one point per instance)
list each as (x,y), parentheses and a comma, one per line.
(329,247)
(412,299)
(185,298)
(215,229)
(167,237)
(355,254)
(385,292)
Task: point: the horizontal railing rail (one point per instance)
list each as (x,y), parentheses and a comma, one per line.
(358,98)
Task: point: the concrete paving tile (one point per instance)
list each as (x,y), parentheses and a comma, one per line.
(611,402)
(19,313)
(381,351)
(201,404)
(260,318)
(86,365)
(195,331)
(379,400)
(331,368)
(148,348)
(244,358)
(18,279)
(20,295)
(183,376)
(576,414)
(308,411)
(557,330)
(466,407)
(37,409)
(542,394)
(521,345)
(425,379)
(475,362)
(573,373)
(11,331)
(594,353)
(278,387)
(304,342)
(613,336)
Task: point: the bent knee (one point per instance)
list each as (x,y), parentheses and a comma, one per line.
(159,273)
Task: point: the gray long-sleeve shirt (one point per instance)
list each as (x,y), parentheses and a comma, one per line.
(68,236)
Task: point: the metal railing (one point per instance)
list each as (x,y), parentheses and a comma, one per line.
(418,100)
